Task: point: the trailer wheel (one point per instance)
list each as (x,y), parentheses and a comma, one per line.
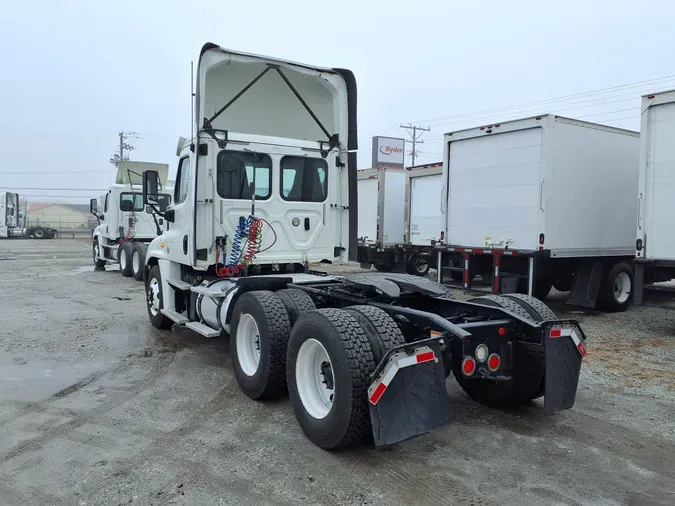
(138,260)
(98,263)
(39,233)
(563,284)
(126,252)
(616,291)
(328,366)
(258,338)
(381,329)
(155,299)
(527,369)
(296,303)
(418,265)
(538,310)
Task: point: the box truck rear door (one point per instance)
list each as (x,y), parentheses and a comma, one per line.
(494,189)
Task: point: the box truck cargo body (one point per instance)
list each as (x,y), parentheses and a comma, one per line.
(655,244)
(381,223)
(551,197)
(424,194)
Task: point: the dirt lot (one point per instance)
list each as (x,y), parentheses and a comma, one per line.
(97,407)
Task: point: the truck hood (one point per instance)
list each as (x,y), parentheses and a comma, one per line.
(251,94)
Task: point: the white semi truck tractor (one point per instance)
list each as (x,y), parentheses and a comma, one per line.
(125,226)
(13,219)
(267,186)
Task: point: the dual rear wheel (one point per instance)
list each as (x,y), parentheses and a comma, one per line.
(280,343)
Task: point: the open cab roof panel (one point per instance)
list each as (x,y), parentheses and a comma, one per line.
(258,95)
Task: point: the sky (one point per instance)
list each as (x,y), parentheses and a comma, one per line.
(75,73)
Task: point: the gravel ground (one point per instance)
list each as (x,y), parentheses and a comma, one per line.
(97,407)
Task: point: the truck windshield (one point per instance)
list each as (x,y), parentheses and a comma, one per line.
(164,199)
(235,175)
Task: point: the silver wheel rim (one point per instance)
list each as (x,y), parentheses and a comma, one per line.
(153,296)
(622,287)
(136,262)
(95,252)
(248,344)
(314,379)
(123,259)
(420,264)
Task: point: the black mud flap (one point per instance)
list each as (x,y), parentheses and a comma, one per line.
(564,345)
(407,395)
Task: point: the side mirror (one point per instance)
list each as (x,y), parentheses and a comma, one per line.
(150,187)
(170,215)
(126,206)
(148,209)
(93,206)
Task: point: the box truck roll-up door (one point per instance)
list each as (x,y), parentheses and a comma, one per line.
(660,218)
(425,209)
(494,190)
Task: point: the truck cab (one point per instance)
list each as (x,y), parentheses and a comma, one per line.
(125,226)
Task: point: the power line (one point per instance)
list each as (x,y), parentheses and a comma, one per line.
(57,172)
(55,189)
(415,139)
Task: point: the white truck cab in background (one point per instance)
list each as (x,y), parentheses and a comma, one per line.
(125,226)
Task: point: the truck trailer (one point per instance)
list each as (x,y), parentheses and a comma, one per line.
(382,233)
(125,228)
(13,220)
(268,184)
(543,202)
(654,247)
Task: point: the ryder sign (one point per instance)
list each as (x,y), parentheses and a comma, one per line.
(388,152)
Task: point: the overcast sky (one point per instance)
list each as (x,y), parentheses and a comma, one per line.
(74,73)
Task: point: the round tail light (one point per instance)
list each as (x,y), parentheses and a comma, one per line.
(468,366)
(494,362)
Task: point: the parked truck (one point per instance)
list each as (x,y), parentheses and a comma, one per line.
(543,202)
(382,233)
(125,228)
(267,185)
(654,251)
(13,219)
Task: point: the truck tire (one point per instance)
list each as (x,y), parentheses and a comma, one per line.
(381,329)
(527,369)
(98,263)
(155,299)
(328,367)
(258,338)
(417,265)
(296,303)
(39,233)
(126,251)
(617,288)
(563,283)
(138,260)
(537,309)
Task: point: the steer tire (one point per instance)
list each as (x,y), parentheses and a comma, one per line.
(347,422)
(125,254)
(381,329)
(138,257)
(273,325)
(527,368)
(296,303)
(98,263)
(159,320)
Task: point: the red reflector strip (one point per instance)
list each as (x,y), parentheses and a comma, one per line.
(556,333)
(582,349)
(425,357)
(378,393)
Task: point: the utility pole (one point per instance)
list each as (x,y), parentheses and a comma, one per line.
(414,137)
(124,149)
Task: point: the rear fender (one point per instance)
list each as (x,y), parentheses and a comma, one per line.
(407,395)
(564,346)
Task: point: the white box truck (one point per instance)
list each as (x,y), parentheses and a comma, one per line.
(381,224)
(540,202)
(654,247)
(424,204)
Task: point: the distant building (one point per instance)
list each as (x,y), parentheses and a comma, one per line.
(61,216)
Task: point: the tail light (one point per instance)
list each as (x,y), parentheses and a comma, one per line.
(442,235)
(493,362)
(468,366)
(638,245)
(541,239)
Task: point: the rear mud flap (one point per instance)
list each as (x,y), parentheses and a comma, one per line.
(564,347)
(408,396)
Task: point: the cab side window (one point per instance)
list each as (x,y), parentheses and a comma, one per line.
(182,181)
(105,204)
